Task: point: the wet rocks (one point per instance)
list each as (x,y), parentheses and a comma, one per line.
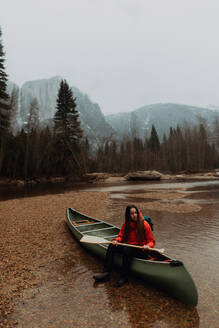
(143,175)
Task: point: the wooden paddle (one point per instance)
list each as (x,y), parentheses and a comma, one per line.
(100,240)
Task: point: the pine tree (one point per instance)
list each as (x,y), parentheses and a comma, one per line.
(154,143)
(85,154)
(67,128)
(14,96)
(202,147)
(67,124)
(33,121)
(154,147)
(32,153)
(4,104)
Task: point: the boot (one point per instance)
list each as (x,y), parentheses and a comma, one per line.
(122,281)
(105,276)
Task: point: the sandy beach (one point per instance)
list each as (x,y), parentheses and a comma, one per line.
(33,232)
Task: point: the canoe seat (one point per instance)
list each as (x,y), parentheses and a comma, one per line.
(105,232)
(79,222)
(92,226)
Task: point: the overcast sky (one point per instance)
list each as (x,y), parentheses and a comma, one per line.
(123,53)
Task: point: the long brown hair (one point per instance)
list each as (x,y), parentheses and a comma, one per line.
(139,227)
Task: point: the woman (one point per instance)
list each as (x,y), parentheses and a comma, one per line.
(134,231)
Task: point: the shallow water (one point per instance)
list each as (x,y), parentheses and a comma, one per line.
(71,299)
(191,237)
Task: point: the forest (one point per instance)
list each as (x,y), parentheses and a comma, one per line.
(33,151)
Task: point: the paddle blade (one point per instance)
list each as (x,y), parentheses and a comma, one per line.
(94,240)
(160,250)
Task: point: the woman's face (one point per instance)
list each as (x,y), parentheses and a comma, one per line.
(133,214)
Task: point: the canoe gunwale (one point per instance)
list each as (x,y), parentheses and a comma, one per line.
(109,237)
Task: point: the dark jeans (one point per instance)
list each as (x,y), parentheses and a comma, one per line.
(127,254)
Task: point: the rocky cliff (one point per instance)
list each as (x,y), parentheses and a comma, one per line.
(45,91)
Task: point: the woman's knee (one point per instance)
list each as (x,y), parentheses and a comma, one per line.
(128,251)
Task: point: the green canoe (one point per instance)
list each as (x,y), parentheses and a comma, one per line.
(161,271)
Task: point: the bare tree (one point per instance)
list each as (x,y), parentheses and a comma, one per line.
(14,102)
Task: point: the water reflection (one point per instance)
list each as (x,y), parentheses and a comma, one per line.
(136,304)
(133,186)
(29,190)
(147,307)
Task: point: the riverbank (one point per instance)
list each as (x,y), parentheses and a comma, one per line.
(98,177)
(213,175)
(33,237)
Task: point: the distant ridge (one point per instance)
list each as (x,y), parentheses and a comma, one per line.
(162,116)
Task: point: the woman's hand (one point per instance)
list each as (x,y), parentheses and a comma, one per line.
(145,247)
(114,242)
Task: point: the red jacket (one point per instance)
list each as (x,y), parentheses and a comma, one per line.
(149,238)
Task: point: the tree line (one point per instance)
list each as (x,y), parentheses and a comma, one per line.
(33,151)
(186,149)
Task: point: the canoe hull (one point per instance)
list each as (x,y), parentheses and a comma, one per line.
(175,280)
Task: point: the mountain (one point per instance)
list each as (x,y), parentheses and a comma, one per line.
(10,86)
(45,91)
(162,116)
(98,127)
